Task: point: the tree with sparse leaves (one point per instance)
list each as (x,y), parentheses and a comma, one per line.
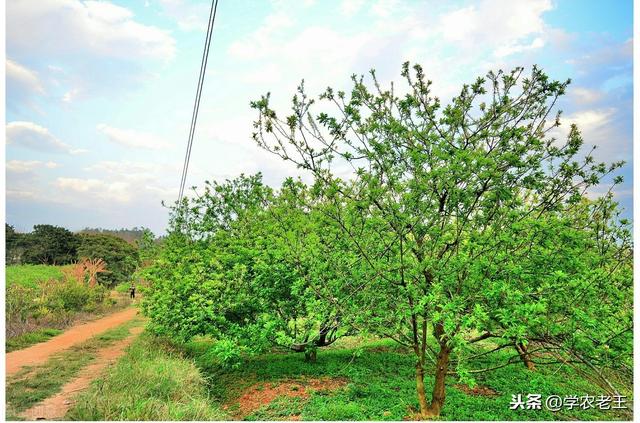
(438,203)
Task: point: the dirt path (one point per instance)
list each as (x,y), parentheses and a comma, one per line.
(55,407)
(39,353)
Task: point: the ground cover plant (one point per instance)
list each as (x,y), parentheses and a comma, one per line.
(373,380)
(355,378)
(464,234)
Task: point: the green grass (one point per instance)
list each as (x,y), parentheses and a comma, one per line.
(30,338)
(29,275)
(152,381)
(381,386)
(157,380)
(33,384)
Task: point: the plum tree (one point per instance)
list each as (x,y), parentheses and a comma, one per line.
(437,199)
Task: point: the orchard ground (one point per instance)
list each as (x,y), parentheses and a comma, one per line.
(356,379)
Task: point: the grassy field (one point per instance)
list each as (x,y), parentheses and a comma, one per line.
(355,380)
(30,275)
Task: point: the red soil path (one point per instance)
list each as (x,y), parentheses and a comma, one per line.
(55,407)
(39,353)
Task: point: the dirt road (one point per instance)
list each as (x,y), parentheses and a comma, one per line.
(39,353)
(55,407)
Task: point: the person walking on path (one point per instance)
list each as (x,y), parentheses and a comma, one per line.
(132,291)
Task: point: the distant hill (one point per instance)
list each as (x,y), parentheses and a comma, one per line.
(130,235)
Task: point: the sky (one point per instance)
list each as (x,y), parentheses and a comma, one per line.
(100,93)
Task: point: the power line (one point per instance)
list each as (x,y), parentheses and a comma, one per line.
(196,103)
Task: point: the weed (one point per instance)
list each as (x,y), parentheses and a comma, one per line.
(151,382)
(30,338)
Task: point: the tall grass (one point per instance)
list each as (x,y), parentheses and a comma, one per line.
(151,382)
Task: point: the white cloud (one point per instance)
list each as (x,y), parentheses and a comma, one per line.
(582,95)
(259,43)
(70,95)
(23,166)
(384,8)
(22,82)
(518,48)
(136,183)
(36,137)
(589,121)
(132,138)
(189,16)
(59,27)
(500,23)
(21,195)
(351,7)
(96,189)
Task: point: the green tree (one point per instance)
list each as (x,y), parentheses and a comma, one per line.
(15,243)
(121,257)
(233,267)
(48,244)
(148,247)
(437,192)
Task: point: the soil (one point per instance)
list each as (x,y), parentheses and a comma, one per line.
(55,407)
(263,393)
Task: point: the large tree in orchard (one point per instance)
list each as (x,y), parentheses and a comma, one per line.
(436,196)
(240,264)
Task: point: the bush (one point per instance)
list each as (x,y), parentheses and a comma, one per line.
(51,302)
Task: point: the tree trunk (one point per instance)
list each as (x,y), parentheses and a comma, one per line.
(438,396)
(422,398)
(310,355)
(525,356)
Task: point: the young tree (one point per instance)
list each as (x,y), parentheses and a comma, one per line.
(436,193)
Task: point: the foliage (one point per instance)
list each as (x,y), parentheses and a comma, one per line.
(121,257)
(48,244)
(233,267)
(132,235)
(148,247)
(462,232)
(439,204)
(15,243)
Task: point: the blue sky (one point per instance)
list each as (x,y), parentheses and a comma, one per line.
(99,93)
